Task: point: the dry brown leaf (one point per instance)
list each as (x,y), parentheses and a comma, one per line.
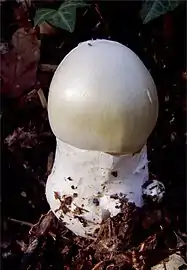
(47,29)
(43,225)
(21,17)
(19,65)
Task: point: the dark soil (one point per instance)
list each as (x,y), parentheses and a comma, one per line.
(27,143)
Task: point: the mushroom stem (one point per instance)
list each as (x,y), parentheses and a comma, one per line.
(85,186)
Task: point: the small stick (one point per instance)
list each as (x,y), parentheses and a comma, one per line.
(48,67)
(98,266)
(21,222)
(42,98)
(29,224)
(99,13)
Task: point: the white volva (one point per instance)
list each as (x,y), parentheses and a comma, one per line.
(102,107)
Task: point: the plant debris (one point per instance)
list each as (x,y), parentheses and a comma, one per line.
(19,65)
(116,244)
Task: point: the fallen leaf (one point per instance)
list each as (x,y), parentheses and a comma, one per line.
(20,64)
(25,3)
(21,17)
(47,29)
(43,225)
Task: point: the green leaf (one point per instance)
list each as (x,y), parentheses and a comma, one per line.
(64,17)
(43,14)
(73,3)
(152,9)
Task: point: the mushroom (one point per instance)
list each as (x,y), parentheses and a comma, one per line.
(102,107)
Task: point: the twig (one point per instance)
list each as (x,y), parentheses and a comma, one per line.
(85,12)
(42,98)
(48,67)
(98,265)
(99,13)
(29,224)
(21,222)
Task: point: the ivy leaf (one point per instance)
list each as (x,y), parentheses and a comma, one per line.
(73,3)
(43,14)
(152,9)
(64,17)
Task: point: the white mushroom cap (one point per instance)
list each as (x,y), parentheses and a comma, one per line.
(103,98)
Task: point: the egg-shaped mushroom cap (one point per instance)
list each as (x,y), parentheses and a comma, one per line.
(103,98)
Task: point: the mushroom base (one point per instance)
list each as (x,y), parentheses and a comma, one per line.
(84,186)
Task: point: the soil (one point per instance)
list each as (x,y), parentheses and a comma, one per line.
(28,148)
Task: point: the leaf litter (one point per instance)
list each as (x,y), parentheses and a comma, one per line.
(19,65)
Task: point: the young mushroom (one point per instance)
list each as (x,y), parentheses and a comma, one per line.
(102,107)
